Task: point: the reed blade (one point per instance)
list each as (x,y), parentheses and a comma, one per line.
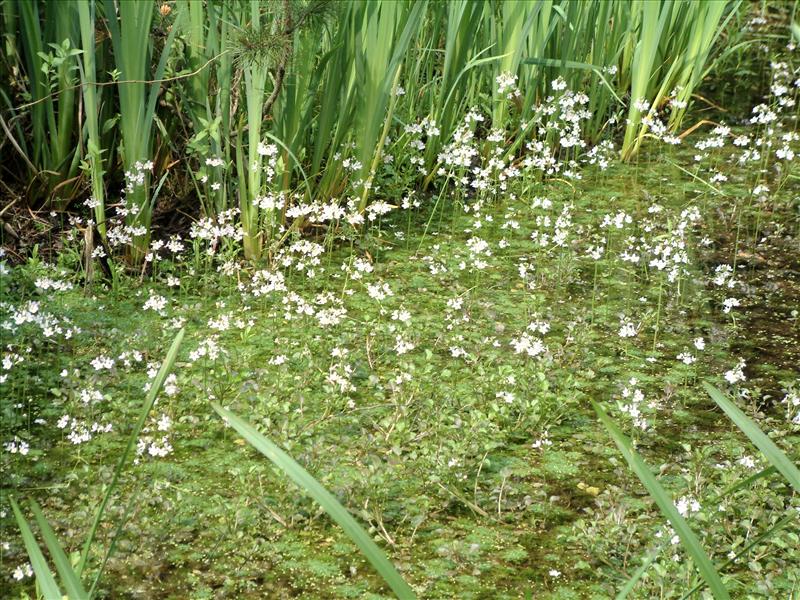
(323,497)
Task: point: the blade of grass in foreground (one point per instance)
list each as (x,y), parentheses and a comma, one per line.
(758,540)
(68,576)
(631,583)
(689,540)
(323,497)
(155,387)
(44,577)
(774,455)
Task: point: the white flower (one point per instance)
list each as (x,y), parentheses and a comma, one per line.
(155,303)
(22,571)
(687,505)
(542,442)
(401,315)
(164,423)
(558,84)
(736,374)
(171,385)
(402,346)
(785,153)
(267,149)
(527,344)
(627,329)
(730,303)
(507,85)
(17,446)
(103,362)
(379,291)
(748,462)
(507,397)
(595,252)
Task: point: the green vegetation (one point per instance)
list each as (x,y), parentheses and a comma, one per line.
(424,299)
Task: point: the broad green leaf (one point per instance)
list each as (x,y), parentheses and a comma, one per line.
(323,497)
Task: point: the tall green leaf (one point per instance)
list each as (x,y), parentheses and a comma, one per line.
(773,454)
(44,577)
(323,497)
(69,577)
(155,387)
(664,502)
(86,16)
(130,25)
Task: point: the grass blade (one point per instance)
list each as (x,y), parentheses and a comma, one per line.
(166,367)
(689,540)
(761,538)
(773,454)
(69,577)
(323,497)
(86,18)
(573,64)
(44,577)
(744,483)
(631,583)
(113,544)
